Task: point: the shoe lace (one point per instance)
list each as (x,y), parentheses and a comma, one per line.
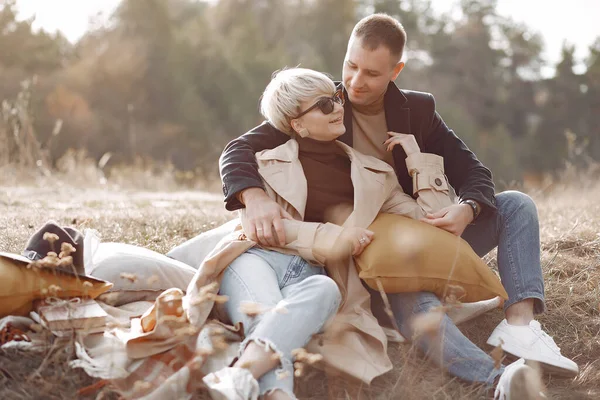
(547,339)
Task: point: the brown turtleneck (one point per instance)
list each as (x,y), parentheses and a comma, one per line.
(327,170)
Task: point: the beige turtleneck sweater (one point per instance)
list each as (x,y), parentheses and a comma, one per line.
(369,131)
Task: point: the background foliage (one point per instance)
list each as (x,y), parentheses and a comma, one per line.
(175,80)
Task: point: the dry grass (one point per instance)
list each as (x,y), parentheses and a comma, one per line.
(160,220)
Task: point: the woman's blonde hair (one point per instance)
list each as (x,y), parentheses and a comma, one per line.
(288,88)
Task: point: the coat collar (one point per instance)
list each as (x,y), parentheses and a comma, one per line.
(281,169)
(369,179)
(288,153)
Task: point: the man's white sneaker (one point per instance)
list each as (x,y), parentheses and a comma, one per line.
(231,384)
(532,343)
(519,382)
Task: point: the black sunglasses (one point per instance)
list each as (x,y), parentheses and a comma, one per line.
(325,104)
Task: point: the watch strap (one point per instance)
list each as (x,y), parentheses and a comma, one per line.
(473,206)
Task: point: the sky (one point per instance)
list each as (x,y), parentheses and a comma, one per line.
(575,21)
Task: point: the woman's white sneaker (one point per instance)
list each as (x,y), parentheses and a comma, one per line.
(519,382)
(467,311)
(231,384)
(532,343)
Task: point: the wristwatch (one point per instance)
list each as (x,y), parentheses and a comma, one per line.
(474,206)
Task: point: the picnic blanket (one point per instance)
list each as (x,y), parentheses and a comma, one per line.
(149,349)
(168,363)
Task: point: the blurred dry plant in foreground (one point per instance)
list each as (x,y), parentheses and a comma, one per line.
(19,144)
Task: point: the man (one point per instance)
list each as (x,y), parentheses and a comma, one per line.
(508,220)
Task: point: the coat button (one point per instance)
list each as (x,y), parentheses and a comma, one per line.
(438,181)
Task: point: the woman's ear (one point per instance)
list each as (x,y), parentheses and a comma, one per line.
(296,125)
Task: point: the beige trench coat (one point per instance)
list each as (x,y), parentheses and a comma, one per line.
(353,344)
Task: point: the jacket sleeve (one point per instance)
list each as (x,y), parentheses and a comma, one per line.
(315,242)
(429,187)
(469,177)
(237,164)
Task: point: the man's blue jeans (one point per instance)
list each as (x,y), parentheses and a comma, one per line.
(514,229)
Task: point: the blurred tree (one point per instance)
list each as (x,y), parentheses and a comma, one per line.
(327,28)
(26,55)
(561,117)
(243,67)
(591,100)
(31,52)
(466,76)
(522,62)
(148,28)
(176,79)
(474,65)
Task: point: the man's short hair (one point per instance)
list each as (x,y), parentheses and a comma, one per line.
(381,29)
(288,88)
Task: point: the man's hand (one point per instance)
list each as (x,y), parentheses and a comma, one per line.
(263,215)
(453,219)
(408,142)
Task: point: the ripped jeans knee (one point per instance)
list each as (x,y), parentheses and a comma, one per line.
(279,378)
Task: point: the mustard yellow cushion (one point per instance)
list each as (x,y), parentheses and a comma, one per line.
(20,286)
(407,255)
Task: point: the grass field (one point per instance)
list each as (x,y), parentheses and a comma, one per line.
(570,230)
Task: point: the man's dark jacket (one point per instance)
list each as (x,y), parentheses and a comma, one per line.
(405,112)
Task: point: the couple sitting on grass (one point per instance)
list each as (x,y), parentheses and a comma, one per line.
(309,182)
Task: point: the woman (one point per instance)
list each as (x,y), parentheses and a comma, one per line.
(313,177)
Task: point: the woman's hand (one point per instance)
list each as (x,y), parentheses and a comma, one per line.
(408,142)
(355,239)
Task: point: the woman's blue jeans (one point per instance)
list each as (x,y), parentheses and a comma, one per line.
(298,299)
